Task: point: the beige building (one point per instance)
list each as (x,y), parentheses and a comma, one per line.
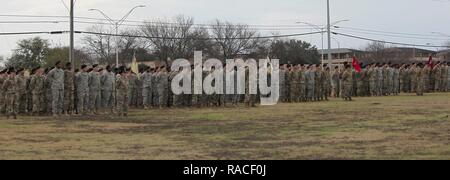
(394,55)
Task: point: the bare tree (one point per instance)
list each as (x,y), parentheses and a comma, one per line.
(375,52)
(101,46)
(233,39)
(176,39)
(130,44)
(378,52)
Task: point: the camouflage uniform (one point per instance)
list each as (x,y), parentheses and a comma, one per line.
(147,89)
(402,79)
(347,83)
(310,84)
(48,95)
(360,83)
(82,81)
(354,90)
(10,88)
(421,75)
(443,79)
(372,74)
(37,85)
(94,92)
(223,97)
(2,94)
(287,86)
(139,88)
(132,90)
(21,93)
(318,85)
(174,100)
(386,81)
(302,80)
(413,73)
(380,83)
(407,80)
(282,85)
(448,78)
(326,84)
(195,101)
(428,79)
(56,77)
(122,94)
(437,78)
(29,99)
(107,81)
(294,84)
(396,81)
(250,99)
(335,83)
(69,91)
(162,87)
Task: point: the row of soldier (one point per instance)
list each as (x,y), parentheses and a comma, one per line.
(306,83)
(95,90)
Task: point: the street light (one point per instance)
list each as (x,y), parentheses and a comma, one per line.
(322,31)
(116,25)
(337,41)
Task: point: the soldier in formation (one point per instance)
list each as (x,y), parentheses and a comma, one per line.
(92,89)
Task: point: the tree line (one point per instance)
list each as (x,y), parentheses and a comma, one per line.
(166,40)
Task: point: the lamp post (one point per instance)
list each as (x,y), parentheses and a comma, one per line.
(116,25)
(322,31)
(337,41)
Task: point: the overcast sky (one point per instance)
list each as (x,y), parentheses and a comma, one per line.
(401,16)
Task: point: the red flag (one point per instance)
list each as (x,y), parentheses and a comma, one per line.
(356,65)
(430,62)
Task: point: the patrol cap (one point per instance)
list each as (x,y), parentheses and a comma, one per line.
(19,70)
(33,71)
(11,70)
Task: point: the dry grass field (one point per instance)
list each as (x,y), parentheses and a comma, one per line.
(402,127)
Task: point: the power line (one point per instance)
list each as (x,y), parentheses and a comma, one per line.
(203,27)
(388,32)
(151,37)
(30,22)
(32,33)
(145,22)
(388,42)
(390,35)
(175,38)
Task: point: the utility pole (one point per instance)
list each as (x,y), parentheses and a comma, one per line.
(329,33)
(71,49)
(117,24)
